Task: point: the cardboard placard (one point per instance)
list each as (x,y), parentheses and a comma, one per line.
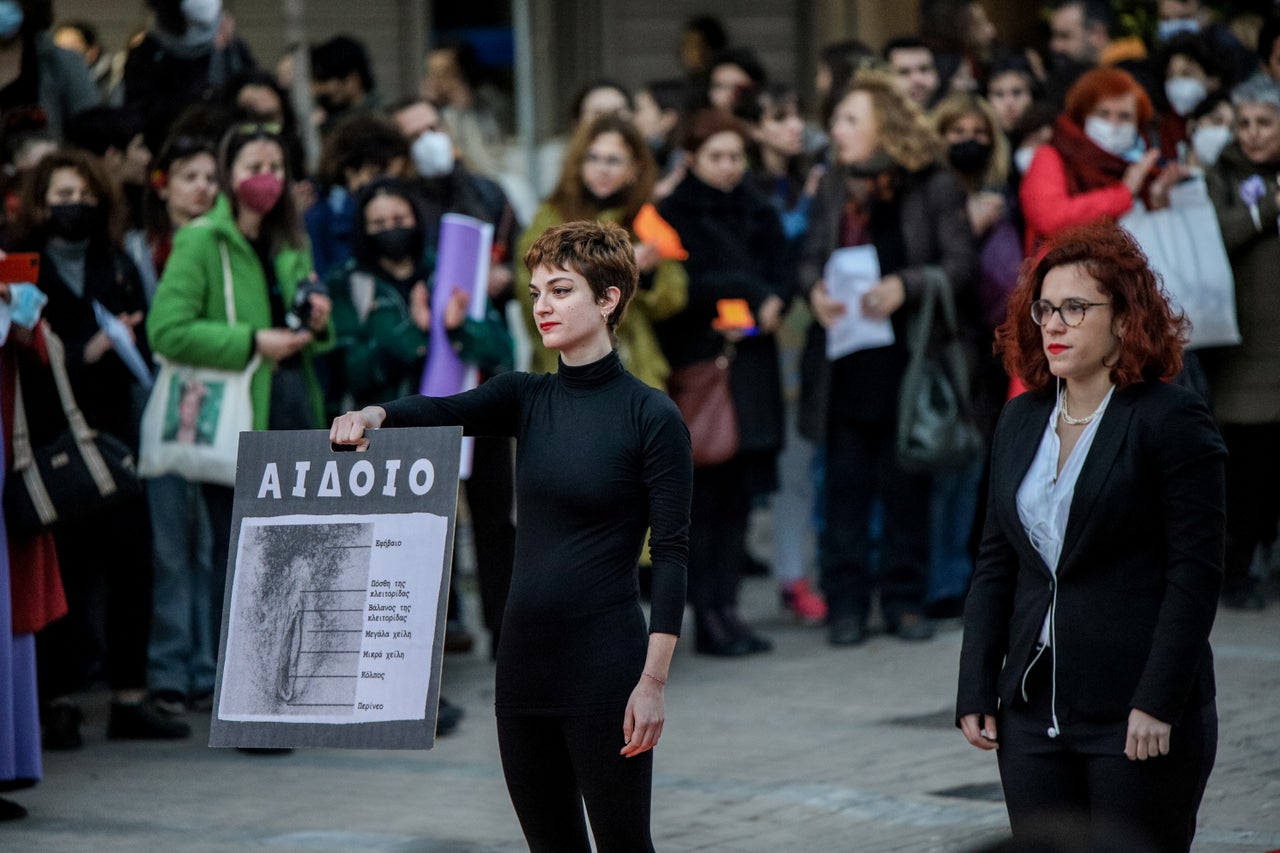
(337,582)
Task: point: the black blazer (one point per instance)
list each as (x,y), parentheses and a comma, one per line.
(1140,570)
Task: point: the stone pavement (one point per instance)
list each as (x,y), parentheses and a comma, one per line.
(809,748)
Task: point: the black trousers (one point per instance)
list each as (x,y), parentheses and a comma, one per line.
(720,507)
(1083,777)
(1253,501)
(555,764)
(106,571)
(217,503)
(862,466)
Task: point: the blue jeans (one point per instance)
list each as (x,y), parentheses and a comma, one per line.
(953,505)
(180,655)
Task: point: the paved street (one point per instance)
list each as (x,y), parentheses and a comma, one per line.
(809,748)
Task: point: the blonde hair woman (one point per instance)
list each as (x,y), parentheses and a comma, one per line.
(886,190)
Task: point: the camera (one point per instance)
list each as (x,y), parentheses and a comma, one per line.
(298,317)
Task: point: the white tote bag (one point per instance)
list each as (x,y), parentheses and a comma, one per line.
(1184,244)
(193,419)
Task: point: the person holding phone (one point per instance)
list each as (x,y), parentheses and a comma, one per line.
(1096,163)
(737,257)
(600,458)
(255,227)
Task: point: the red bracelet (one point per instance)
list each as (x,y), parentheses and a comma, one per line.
(662,681)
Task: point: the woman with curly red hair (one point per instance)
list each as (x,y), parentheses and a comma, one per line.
(1095,165)
(1086,647)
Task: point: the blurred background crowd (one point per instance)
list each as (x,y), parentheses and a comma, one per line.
(168,178)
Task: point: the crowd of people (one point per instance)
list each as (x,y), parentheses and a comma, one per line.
(169,197)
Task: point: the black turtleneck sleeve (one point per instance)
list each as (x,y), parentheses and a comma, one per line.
(600,458)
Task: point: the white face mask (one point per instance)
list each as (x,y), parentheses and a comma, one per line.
(1184,94)
(1166,30)
(1022,159)
(206,12)
(433,154)
(1109,136)
(1208,142)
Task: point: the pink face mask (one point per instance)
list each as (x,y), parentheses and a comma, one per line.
(260,192)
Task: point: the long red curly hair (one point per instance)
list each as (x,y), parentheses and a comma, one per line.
(1154,332)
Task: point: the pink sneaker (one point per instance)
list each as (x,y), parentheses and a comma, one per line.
(801,600)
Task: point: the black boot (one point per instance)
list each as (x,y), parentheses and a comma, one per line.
(60,727)
(755,642)
(715,637)
(139,721)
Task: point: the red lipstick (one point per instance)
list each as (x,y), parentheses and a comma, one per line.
(1054,349)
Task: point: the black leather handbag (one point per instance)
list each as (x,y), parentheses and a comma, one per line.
(80,473)
(937,429)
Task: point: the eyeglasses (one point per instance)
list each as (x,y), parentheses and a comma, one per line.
(1071,311)
(611,161)
(262,128)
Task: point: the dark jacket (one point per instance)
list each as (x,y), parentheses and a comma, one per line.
(1140,571)
(736,251)
(1246,378)
(107,391)
(164,80)
(379,352)
(465,192)
(65,86)
(929,223)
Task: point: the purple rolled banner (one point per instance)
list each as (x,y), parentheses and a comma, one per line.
(462,263)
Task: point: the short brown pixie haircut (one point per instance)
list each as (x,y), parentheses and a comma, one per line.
(600,252)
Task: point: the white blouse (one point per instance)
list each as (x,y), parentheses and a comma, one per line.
(1044,498)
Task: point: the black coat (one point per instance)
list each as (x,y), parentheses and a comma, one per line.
(107,392)
(1140,570)
(736,251)
(925,224)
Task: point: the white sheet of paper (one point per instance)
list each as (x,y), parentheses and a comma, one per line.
(122,343)
(849,274)
(333,618)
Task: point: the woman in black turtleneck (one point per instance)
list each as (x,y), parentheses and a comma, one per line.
(736,251)
(600,457)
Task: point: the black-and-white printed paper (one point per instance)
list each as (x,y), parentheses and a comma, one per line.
(338,576)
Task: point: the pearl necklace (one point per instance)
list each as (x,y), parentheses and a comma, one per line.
(1087,419)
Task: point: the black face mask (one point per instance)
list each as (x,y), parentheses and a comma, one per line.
(73,222)
(610,201)
(969,157)
(328,104)
(394,244)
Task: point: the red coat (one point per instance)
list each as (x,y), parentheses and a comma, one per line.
(35,582)
(1049,206)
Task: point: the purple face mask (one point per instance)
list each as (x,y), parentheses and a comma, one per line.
(260,192)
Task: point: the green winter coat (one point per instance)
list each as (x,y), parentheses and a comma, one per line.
(188,319)
(379,352)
